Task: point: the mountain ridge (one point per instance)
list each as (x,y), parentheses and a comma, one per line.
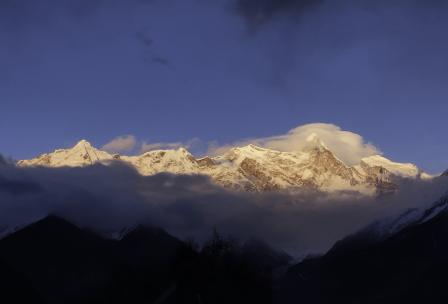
(251,168)
(404,265)
(55,261)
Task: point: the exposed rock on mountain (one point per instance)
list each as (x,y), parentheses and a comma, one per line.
(252,168)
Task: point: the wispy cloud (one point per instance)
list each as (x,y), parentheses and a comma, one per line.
(145,146)
(111,197)
(130,143)
(121,144)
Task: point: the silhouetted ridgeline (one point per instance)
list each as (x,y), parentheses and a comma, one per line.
(409,266)
(53,261)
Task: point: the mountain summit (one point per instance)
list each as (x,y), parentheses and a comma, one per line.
(313,141)
(252,168)
(82,154)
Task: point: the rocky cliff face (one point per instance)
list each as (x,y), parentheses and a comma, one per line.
(251,168)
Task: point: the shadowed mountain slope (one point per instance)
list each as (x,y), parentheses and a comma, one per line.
(54,261)
(407,266)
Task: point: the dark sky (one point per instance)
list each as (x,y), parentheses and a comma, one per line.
(224,70)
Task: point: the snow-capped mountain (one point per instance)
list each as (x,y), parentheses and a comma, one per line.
(82,154)
(393,225)
(252,168)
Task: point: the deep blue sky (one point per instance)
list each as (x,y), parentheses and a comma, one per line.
(224,70)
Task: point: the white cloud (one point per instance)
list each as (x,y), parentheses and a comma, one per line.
(145,147)
(120,144)
(348,146)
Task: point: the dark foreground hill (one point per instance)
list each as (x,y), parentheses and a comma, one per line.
(407,266)
(53,261)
